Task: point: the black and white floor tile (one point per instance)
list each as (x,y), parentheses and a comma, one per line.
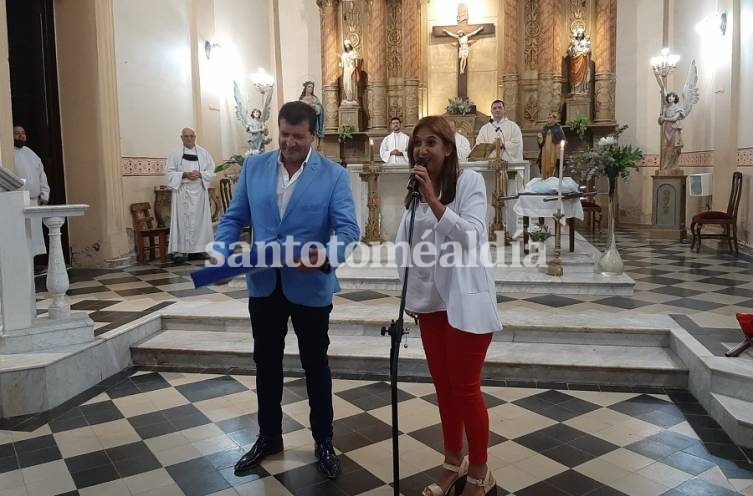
(177,433)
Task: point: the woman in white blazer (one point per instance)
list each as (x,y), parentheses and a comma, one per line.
(451,289)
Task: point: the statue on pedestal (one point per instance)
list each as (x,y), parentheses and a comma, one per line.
(350,62)
(671,117)
(579,62)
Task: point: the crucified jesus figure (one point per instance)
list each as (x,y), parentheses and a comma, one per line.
(463,45)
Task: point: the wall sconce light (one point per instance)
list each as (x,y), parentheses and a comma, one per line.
(262,81)
(208,47)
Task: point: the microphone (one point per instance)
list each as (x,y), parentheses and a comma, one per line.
(412,181)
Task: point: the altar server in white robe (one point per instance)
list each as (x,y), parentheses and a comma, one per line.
(499,126)
(29,167)
(394,146)
(190,170)
(461,143)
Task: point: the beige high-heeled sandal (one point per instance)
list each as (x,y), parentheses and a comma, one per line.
(434,489)
(488,483)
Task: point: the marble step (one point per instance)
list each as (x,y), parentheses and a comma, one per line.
(735,416)
(518,328)
(732,377)
(368,355)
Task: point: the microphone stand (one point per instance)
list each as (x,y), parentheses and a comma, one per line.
(396,332)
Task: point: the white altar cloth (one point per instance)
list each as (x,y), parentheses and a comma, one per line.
(533,205)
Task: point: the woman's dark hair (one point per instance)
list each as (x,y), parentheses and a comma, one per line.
(297,112)
(303,92)
(673,96)
(448,176)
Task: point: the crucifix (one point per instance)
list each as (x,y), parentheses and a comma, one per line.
(462,32)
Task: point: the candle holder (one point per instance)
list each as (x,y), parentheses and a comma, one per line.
(499,168)
(370,175)
(554,268)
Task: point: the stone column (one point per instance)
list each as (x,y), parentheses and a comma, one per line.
(411,60)
(330,56)
(85,38)
(604,58)
(377,64)
(6,121)
(57,275)
(548,101)
(509,62)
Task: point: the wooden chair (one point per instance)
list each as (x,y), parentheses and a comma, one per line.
(226,193)
(591,209)
(726,220)
(148,238)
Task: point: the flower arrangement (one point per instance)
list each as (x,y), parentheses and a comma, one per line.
(460,106)
(608,158)
(538,233)
(579,124)
(346,133)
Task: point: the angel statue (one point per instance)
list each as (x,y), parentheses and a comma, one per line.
(672,114)
(254,122)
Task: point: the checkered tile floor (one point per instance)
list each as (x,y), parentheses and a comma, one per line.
(702,291)
(173,433)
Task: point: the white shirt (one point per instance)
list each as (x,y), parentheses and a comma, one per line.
(394,141)
(286,183)
(463,146)
(509,132)
(422,295)
(29,167)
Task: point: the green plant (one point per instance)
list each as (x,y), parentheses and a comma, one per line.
(579,124)
(346,133)
(233,160)
(459,106)
(608,158)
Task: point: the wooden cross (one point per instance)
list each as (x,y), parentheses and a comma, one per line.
(468,30)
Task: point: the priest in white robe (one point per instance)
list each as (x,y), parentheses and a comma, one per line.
(499,126)
(29,167)
(462,144)
(394,148)
(190,170)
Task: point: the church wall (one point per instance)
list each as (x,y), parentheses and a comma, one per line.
(300,47)
(244,31)
(686,41)
(745,130)
(155,88)
(154,75)
(639,37)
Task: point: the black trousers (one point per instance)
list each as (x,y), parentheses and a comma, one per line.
(269,324)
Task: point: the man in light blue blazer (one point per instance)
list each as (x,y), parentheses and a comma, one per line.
(293,192)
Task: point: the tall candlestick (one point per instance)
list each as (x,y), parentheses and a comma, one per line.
(371,150)
(562,169)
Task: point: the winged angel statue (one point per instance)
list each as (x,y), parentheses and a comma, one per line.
(672,114)
(254,122)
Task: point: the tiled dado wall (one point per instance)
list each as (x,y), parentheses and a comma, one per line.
(142,166)
(701,159)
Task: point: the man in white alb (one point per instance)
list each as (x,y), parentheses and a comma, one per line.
(190,170)
(394,149)
(509,133)
(29,167)
(461,143)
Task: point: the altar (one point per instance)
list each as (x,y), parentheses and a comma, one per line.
(393,179)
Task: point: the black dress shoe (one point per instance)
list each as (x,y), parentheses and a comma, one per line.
(262,448)
(328,462)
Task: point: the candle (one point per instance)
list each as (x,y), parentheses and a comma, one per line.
(562,169)
(371,150)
